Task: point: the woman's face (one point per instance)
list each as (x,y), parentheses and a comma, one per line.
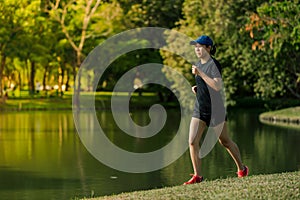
(201,50)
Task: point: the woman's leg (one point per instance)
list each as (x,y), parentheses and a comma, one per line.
(231,147)
(197,128)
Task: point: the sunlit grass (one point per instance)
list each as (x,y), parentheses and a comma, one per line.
(288,117)
(102,99)
(292,113)
(272,186)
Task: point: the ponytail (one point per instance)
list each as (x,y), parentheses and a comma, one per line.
(213,50)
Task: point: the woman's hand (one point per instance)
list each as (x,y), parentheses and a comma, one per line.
(195,70)
(194,89)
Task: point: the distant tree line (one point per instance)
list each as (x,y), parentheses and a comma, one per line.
(44,42)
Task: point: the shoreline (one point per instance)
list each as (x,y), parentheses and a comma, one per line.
(288,117)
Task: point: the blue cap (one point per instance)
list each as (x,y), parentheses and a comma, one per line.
(203,39)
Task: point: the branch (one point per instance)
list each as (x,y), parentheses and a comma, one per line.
(57,4)
(54,7)
(61,20)
(64,29)
(60,15)
(87,16)
(94,8)
(293,92)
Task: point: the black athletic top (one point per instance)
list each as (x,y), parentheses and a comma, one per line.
(207,97)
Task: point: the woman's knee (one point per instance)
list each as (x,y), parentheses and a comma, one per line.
(193,143)
(197,128)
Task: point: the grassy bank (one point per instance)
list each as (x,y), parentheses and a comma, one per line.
(272,186)
(288,116)
(36,104)
(102,101)
(24,101)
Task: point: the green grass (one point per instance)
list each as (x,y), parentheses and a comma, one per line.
(272,186)
(293,112)
(35,104)
(284,117)
(102,101)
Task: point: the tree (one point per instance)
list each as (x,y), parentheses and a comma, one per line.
(275,30)
(10,27)
(211,18)
(160,13)
(77,20)
(225,22)
(144,13)
(35,42)
(26,36)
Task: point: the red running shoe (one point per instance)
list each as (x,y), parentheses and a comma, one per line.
(194,179)
(243,173)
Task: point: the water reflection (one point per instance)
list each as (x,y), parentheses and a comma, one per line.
(41,155)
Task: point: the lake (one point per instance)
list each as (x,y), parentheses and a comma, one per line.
(42,156)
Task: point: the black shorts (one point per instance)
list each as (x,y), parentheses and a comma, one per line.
(207,118)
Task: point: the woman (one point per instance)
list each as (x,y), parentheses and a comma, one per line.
(209,110)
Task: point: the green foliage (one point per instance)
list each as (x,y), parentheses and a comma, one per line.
(22,33)
(32,32)
(275,32)
(258,41)
(263,65)
(222,21)
(161,13)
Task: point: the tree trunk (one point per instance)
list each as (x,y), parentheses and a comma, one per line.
(61,81)
(77,90)
(32,76)
(20,81)
(78,85)
(3,60)
(75,100)
(68,80)
(45,78)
